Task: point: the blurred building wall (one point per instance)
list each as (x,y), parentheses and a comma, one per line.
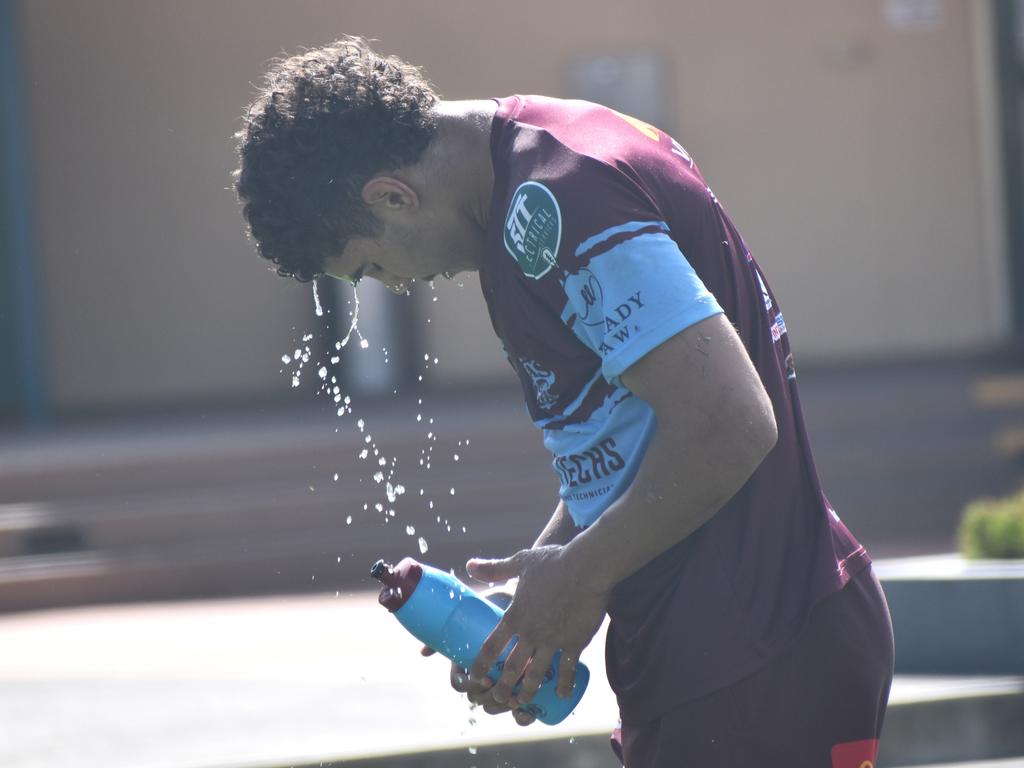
(853,147)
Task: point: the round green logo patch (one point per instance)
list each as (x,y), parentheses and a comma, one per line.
(533,228)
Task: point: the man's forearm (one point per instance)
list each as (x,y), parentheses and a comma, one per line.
(715,425)
(560,528)
(671,497)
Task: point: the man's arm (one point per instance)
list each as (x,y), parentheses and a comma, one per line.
(715,424)
(560,528)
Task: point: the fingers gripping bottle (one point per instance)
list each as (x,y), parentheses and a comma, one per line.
(446,615)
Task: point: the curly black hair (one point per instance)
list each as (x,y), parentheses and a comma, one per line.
(325,122)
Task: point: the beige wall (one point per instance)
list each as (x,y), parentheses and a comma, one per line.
(849,154)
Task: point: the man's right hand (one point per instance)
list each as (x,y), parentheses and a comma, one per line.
(477,692)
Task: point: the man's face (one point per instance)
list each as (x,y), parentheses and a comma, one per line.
(376,259)
(419,248)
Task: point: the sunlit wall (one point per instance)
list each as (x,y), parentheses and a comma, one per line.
(852,143)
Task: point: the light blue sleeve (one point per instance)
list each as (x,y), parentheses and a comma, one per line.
(636,291)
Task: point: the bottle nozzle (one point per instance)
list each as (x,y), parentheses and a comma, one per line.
(381,571)
(399,581)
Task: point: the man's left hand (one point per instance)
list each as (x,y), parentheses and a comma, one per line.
(557,606)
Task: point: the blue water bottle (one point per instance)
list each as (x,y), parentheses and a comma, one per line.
(446,615)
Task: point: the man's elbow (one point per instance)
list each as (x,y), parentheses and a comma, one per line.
(754,433)
(762,431)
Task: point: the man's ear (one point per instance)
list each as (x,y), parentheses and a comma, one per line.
(389,192)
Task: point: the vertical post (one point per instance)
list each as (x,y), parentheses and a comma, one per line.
(1009,15)
(17,251)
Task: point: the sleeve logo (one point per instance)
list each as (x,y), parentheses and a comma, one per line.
(592,299)
(533,229)
(543,380)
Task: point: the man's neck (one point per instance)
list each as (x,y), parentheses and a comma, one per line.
(461,154)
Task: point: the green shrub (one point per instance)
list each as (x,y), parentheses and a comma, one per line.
(993,528)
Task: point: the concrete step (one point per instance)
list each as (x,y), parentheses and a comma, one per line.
(30,529)
(929,720)
(950,719)
(1012,762)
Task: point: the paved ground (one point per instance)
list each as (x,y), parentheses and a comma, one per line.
(266,682)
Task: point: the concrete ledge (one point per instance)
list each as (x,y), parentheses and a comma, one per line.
(953,616)
(929,720)
(957,722)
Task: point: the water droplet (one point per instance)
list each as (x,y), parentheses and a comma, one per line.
(451,491)
(335,360)
(335,477)
(322,373)
(399,490)
(307,337)
(295,380)
(348,520)
(419,417)
(363,453)
(378,477)
(285,359)
(316,301)
(423,546)
(361,424)
(410,530)
(363,343)
(472,750)
(451,594)
(379,507)
(456,457)
(390,491)
(572,739)
(382,461)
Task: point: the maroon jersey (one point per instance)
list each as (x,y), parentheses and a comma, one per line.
(604,241)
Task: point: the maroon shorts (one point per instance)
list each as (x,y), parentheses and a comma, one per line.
(819,705)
